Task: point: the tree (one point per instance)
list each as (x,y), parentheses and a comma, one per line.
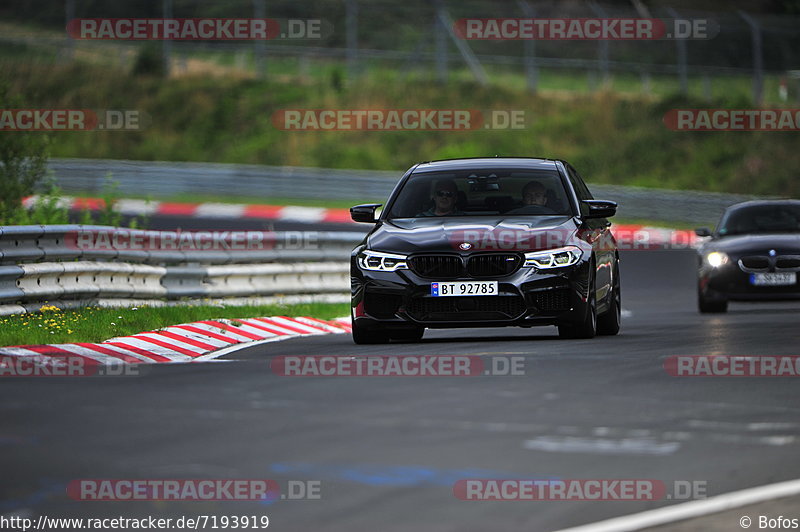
(23,159)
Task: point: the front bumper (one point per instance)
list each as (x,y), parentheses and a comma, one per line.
(729,282)
(525,298)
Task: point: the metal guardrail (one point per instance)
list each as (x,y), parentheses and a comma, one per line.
(36,243)
(164,179)
(43,264)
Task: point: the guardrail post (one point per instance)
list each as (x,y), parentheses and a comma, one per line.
(260,46)
(680,44)
(646,82)
(529,49)
(469,58)
(166,48)
(758,58)
(351,30)
(602,49)
(69,45)
(441,46)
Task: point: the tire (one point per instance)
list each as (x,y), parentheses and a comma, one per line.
(363,336)
(408,335)
(707,306)
(609,322)
(586,328)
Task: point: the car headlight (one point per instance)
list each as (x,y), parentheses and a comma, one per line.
(715,259)
(553,258)
(382,262)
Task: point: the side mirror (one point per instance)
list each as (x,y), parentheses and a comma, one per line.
(702,231)
(364,213)
(600,208)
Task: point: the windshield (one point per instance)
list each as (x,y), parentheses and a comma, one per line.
(762,219)
(482,193)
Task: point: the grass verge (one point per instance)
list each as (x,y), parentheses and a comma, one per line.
(240,200)
(609,138)
(92,324)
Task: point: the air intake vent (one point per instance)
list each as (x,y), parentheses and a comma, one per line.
(493,265)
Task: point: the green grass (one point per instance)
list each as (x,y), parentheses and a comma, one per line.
(611,137)
(320,71)
(96,325)
(241,200)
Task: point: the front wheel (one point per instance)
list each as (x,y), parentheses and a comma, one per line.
(711,306)
(609,322)
(587,328)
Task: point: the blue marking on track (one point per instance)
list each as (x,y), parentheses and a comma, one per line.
(376,475)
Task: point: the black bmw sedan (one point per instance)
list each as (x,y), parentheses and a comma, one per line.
(486,242)
(754,255)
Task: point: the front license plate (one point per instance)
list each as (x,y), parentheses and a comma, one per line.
(773,279)
(470,288)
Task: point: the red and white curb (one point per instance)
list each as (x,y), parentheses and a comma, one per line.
(189,342)
(633,236)
(135,207)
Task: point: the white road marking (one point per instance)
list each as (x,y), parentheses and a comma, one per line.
(689,510)
(238,347)
(570,444)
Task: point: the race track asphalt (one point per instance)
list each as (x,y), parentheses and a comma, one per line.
(387,451)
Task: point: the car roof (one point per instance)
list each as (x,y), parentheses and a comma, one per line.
(532,163)
(763,203)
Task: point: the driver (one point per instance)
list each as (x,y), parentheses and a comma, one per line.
(534,193)
(445,196)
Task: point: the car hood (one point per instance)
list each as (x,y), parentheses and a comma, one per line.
(782,243)
(485,233)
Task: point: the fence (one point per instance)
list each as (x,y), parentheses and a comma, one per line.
(415,38)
